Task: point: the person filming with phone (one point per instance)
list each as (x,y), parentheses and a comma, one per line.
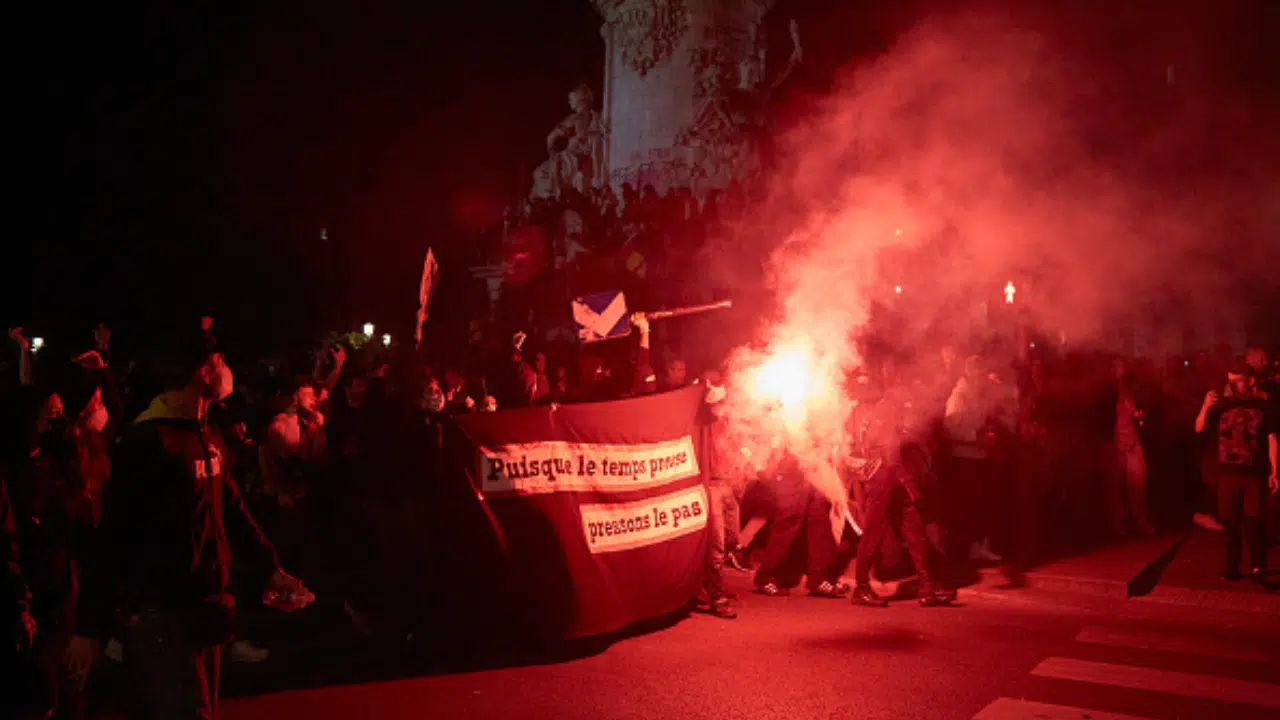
(1247,454)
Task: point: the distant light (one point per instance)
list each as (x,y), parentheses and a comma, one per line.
(36,344)
(898,231)
(368,330)
(1033,346)
(386,339)
(324,234)
(1009,291)
(897,289)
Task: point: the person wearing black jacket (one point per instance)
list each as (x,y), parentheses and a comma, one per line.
(160,564)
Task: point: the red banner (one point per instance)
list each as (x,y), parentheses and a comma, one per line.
(600,508)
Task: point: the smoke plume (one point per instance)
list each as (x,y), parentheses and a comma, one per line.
(972,154)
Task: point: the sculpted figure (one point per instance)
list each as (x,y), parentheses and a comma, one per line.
(580,163)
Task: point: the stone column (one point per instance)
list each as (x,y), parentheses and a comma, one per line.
(670,66)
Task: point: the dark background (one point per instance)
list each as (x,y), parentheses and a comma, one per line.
(180,158)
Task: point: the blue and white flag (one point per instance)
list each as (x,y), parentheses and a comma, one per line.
(601,316)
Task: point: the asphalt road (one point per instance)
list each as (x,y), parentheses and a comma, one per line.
(997,657)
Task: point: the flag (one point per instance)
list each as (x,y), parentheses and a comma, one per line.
(430,273)
(601,316)
(607,500)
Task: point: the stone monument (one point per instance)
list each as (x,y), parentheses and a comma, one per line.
(685,90)
(580,162)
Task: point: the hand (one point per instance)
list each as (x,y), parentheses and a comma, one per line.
(518,339)
(15,334)
(339,354)
(289,592)
(80,657)
(1211,398)
(102,336)
(640,322)
(26,631)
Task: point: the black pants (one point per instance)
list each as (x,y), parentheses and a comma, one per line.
(799,509)
(171,678)
(885,498)
(1241,499)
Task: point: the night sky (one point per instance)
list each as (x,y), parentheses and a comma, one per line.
(180,158)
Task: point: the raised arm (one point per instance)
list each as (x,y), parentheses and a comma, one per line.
(1210,400)
(24,355)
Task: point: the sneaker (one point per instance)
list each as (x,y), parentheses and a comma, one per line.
(359,621)
(937,598)
(772,590)
(981,552)
(864,595)
(1206,521)
(243,651)
(723,608)
(828,590)
(114,651)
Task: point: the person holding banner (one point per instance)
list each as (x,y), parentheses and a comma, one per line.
(715,598)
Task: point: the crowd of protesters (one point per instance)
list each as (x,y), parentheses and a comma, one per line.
(129,483)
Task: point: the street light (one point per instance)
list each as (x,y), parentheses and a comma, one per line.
(386,339)
(368,330)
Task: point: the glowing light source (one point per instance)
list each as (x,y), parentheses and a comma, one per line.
(1009,291)
(386,339)
(368,330)
(897,289)
(36,344)
(785,378)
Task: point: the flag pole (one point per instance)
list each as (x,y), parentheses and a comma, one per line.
(687,310)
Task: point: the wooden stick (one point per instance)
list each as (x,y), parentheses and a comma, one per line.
(690,310)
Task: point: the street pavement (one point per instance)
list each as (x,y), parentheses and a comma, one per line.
(999,655)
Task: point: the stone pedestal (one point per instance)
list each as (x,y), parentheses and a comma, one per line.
(677,75)
(492,275)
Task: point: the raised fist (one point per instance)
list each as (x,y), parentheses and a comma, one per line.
(640,322)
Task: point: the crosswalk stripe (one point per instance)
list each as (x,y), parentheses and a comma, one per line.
(1012,709)
(1161,681)
(1212,647)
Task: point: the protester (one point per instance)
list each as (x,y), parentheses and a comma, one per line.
(722,519)
(160,557)
(1247,458)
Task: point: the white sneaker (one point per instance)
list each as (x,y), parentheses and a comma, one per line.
(114,650)
(982,553)
(1206,521)
(243,651)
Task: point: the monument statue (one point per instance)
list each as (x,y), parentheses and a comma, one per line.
(685,92)
(580,162)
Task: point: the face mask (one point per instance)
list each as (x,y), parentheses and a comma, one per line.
(715,394)
(434,401)
(97,420)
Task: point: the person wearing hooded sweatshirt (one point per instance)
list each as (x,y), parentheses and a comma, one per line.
(161,556)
